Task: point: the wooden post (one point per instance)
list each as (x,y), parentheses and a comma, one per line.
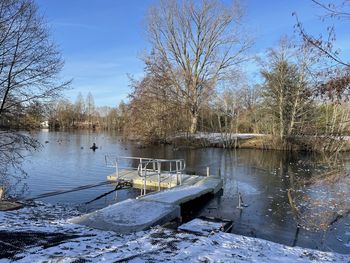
(239,201)
(208,171)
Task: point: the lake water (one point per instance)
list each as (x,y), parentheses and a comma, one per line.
(262,177)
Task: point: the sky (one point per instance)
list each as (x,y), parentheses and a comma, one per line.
(102,41)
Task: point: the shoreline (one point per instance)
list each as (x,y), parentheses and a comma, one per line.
(325,144)
(49,237)
(261,142)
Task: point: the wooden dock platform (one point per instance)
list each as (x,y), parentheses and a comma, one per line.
(166,180)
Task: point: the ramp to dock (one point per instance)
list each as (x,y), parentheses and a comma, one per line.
(129,216)
(149,210)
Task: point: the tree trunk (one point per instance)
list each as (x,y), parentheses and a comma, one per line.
(194,121)
(281,119)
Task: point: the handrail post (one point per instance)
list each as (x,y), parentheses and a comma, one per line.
(177,172)
(146,169)
(181,170)
(159,172)
(116,169)
(143,173)
(170,172)
(144,182)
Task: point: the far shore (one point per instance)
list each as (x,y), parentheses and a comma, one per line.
(261,141)
(309,143)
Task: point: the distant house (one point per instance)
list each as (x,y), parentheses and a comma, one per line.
(44,124)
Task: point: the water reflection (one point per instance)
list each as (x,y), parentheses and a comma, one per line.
(262,177)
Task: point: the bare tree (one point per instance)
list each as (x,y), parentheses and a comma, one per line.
(29,61)
(155,113)
(285,91)
(335,78)
(339,11)
(197,43)
(234,107)
(90,108)
(29,68)
(79,107)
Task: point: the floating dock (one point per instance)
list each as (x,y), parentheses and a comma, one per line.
(149,210)
(152,183)
(174,188)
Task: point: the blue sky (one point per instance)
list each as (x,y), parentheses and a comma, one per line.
(102,40)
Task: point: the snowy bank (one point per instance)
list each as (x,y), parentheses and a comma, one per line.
(157,244)
(218,137)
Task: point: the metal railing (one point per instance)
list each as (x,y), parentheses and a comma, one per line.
(123,163)
(147,167)
(163,169)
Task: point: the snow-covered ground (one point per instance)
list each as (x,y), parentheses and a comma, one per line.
(154,245)
(216,137)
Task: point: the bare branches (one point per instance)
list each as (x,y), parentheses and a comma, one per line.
(198,43)
(29,67)
(29,61)
(156,112)
(286,90)
(13,147)
(337,70)
(324,47)
(334,10)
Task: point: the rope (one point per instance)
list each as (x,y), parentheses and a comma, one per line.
(121,185)
(83,187)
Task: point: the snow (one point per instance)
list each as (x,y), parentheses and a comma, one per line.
(139,214)
(154,245)
(178,194)
(129,216)
(185,193)
(216,137)
(201,227)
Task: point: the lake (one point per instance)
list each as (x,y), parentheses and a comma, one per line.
(261,177)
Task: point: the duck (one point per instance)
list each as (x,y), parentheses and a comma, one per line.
(93,147)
